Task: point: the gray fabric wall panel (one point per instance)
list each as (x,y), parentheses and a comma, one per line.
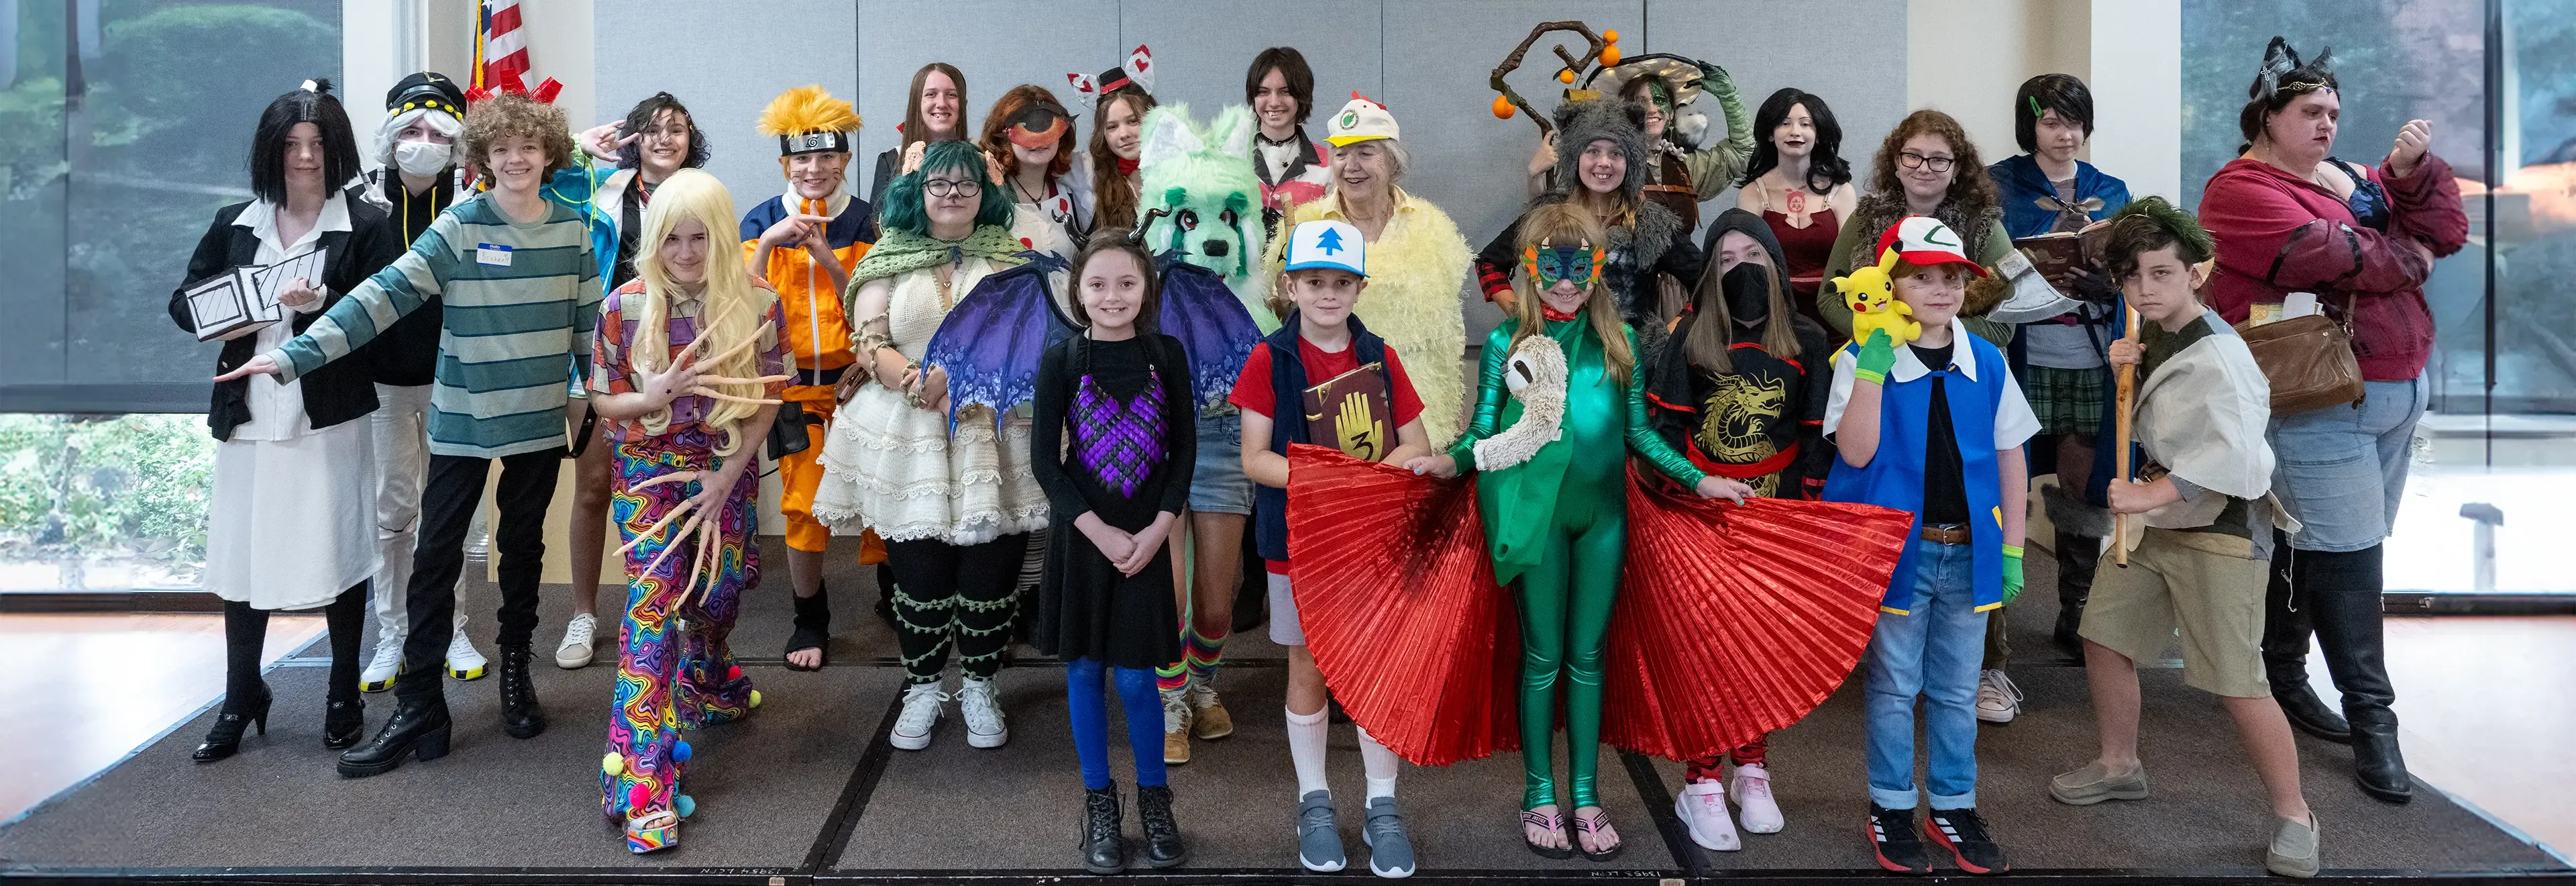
(1204,47)
(1437,63)
(725,67)
(997,44)
(1765,51)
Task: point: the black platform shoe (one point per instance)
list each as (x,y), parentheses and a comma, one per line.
(419,726)
(343,722)
(1163,846)
(2376,761)
(520,716)
(1104,851)
(814,624)
(225,737)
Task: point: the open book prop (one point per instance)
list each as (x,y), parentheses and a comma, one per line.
(244,299)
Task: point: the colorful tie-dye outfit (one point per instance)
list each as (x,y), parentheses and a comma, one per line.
(674,670)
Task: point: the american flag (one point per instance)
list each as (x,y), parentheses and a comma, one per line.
(500,48)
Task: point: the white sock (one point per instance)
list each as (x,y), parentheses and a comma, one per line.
(1380,765)
(1306,741)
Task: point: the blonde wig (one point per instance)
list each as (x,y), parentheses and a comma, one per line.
(1566,224)
(730,311)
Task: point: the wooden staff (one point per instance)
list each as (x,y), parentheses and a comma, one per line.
(2120,458)
(1512,63)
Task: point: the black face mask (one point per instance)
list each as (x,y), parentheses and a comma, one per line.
(1748,293)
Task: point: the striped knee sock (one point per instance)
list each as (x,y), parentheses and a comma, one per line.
(1200,655)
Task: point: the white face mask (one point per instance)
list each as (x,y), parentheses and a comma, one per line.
(421,157)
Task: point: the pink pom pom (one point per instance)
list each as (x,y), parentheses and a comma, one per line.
(639,795)
(733,673)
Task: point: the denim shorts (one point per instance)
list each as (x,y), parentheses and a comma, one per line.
(1217,484)
(2341,471)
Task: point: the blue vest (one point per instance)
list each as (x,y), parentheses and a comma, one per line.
(1288,422)
(2020,185)
(1894,478)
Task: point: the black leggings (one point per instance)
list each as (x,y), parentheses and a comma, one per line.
(964,593)
(246,630)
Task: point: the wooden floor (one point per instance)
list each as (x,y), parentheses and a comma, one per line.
(2487,703)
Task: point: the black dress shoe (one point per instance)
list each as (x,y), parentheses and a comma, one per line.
(1163,847)
(225,737)
(2310,714)
(520,716)
(1104,851)
(418,727)
(343,722)
(2377,763)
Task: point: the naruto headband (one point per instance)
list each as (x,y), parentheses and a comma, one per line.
(812,142)
(1548,266)
(1038,126)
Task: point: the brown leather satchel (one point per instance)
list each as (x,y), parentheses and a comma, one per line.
(2309,360)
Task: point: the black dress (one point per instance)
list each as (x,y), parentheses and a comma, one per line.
(1116,437)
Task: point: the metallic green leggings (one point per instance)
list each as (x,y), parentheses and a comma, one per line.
(1565,620)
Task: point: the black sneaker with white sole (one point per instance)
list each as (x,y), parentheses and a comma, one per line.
(1964,834)
(1892,839)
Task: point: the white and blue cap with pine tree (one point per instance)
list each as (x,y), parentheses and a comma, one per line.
(1333,244)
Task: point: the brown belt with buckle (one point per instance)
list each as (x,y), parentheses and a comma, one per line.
(1946,533)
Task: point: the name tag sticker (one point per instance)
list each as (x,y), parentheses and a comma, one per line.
(492,254)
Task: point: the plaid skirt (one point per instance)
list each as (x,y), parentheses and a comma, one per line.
(2066,401)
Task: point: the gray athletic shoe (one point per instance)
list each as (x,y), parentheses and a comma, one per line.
(1319,842)
(2293,852)
(1390,848)
(2094,783)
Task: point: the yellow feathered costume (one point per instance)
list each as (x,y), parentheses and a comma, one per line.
(1416,270)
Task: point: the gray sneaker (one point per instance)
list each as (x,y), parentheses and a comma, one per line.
(2094,783)
(2293,852)
(1319,842)
(1390,848)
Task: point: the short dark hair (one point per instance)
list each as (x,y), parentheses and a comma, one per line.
(2148,224)
(1291,66)
(631,154)
(1825,161)
(2050,92)
(268,144)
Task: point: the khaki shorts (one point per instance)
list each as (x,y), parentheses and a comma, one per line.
(2206,585)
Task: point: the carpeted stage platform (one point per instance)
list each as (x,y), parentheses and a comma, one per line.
(807,791)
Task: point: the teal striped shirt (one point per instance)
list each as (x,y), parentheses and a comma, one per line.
(517,317)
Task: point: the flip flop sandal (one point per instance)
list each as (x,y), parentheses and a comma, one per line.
(1593,827)
(1552,822)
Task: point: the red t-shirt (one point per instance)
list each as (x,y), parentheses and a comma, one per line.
(1252,389)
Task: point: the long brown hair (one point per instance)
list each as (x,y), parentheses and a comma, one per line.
(1113,199)
(1560,224)
(997,138)
(914,130)
(1712,336)
(1970,189)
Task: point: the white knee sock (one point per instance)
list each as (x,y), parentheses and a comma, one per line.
(1380,765)
(1306,739)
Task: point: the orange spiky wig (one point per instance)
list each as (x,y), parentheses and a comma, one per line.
(808,119)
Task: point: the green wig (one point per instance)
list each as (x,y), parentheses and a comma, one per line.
(2148,224)
(904,209)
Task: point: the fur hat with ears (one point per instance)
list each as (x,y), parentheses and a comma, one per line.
(1607,118)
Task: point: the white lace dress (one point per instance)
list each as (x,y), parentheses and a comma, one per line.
(895,469)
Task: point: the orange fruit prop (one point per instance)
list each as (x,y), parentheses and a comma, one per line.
(1609,56)
(1503,108)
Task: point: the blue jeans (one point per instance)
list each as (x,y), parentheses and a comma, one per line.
(2341,471)
(1933,653)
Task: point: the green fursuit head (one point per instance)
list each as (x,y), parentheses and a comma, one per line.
(1201,199)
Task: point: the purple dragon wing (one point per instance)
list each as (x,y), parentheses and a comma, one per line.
(991,342)
(1215,330)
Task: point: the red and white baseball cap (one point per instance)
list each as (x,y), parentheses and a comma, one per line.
(1923,240)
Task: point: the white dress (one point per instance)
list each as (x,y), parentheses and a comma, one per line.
(895,469)
(293,521)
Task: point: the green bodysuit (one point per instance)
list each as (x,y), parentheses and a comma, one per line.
(1558,523)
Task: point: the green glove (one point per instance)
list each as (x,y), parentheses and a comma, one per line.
(1709,71)
(2012,573)
(1877,356)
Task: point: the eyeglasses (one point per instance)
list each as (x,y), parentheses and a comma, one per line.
(1914,160)
(941,187)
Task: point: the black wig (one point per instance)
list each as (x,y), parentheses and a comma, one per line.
(268,144)
(1826,168)
(631,154)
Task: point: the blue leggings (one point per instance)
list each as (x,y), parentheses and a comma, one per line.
(1144,709)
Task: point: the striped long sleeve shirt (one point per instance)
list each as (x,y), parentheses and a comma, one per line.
(521,301)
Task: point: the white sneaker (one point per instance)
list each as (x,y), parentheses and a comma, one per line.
(463,663)
(1702,809)
(574,653)
(386,667)
(1750,788)
(984,727)
(1998,700)
(921,709)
